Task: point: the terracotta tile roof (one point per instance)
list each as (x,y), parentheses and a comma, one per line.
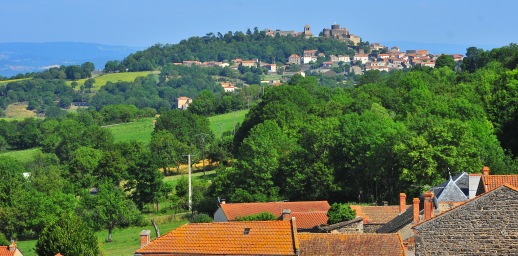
(4,251)
(377,214)
(183,98)
(236,210)
(506,185)
(264,237)
(294,56)
(310,50)
(491,182)
(309,220)
(351,244)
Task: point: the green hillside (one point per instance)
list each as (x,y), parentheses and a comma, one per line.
(114,78)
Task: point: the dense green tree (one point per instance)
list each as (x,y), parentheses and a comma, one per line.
(145,181)
(114,208)
(263,216)
(68,235)
(340,212)
(445,61)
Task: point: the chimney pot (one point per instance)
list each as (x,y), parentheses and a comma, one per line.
(12,246)
(402,202)
(144,237)
(428,205)
(415,204)
(485,170)
(385,203)
(222,201)
(286,214)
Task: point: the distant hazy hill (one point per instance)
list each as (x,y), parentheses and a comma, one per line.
(28,57)
(435,48)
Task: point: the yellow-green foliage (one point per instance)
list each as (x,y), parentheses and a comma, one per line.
(114,78)
(14,80)
(18,111)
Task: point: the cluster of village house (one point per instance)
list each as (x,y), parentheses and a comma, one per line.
(468,214)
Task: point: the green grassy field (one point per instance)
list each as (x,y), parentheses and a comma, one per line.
(20,155)
(140,131)
(103,79)
(228,119)
(14,80)
(125,241)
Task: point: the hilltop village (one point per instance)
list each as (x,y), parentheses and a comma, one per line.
(366,57)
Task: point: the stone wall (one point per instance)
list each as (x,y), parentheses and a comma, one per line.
(347,227)
(484,226)
(371,228)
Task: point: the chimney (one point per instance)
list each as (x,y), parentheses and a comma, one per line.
(144,237)
(12,247)
(286,214)
(406,245)
(361,51)
(222,201)
(385,203)
(485,170)
(402,202)
(428,205)
(415,203)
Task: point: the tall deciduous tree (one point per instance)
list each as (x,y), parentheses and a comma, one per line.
(114,208)
(445,61)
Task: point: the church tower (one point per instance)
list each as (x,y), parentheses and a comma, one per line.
(307,29)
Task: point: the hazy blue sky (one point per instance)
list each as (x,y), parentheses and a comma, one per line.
(146,22)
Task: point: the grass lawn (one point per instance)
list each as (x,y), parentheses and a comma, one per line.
(195,176)
(18,111)
(228,119)
(125,241)
(140,131)
(103,79)
(20,155)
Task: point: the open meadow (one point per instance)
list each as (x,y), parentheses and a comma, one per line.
(125,241)
(228,120)
(18,110)
(114,78)
(14,80)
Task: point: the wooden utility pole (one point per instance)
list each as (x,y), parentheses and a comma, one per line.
(220,124)
(190,188)
(202,136)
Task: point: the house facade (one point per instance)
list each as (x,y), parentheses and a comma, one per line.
(294,58)
(183,102)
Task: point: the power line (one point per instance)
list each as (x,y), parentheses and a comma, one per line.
(220,124)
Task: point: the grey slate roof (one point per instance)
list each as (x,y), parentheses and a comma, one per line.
(455,189)
(338,225)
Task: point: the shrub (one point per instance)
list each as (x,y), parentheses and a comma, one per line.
(68,235)
(340,212)
(263,216)
(201,218)
(3,240)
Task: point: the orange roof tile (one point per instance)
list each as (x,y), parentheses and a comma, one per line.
(310,50)
(493,181)
(294,56)
(4,251)
(237,210)
(506,184)
(264,237)
(376,214)
(183,98)
(309,220)
(351,244)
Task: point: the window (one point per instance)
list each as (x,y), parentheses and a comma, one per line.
(247,230)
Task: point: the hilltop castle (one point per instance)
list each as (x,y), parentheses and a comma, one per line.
(307,32)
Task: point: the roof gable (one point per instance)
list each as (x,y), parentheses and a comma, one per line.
(451,193)
(309,220)
(263,237)
(241,209)
(4,251)
(351,244)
